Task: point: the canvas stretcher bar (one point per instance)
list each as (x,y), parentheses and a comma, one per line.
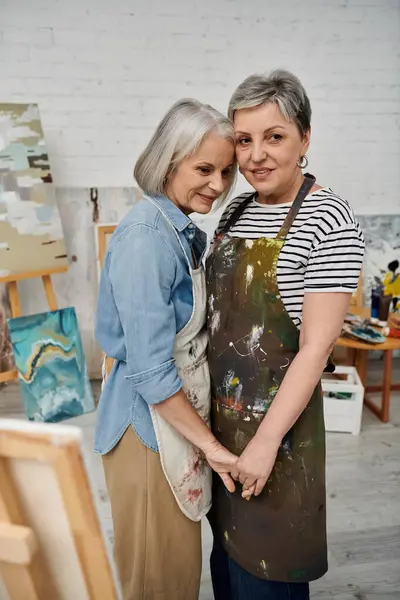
(59,448)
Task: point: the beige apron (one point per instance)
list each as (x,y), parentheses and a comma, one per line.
(184,465)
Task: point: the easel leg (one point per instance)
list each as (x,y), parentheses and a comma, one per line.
(50,295)
(14,299)
(15,312)
(19,582)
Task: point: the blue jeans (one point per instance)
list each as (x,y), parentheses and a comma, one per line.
(231,582)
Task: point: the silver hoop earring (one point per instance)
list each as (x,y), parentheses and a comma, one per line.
(303,162)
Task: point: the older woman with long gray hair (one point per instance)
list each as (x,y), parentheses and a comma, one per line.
(153,415)
(283,266)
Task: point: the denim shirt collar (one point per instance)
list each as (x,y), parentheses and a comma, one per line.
(180,221)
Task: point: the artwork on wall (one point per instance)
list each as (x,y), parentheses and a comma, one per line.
(382,253)
(51,365)
(31,235)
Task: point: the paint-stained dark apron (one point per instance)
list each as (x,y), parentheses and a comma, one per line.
(281,534)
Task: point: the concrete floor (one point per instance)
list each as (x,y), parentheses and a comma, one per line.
(363,482)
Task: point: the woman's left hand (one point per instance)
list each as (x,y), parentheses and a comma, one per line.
(221,461)
(255,465)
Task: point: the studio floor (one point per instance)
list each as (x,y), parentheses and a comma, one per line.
(363,486)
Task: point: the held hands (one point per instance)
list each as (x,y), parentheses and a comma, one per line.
(254,466)
(252,469)
(222,462)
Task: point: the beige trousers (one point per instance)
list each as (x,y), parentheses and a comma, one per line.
(156,547)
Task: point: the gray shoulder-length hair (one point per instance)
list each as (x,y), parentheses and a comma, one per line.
(177,136)
(281,87)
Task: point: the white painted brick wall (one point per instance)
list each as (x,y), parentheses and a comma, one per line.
(105,72)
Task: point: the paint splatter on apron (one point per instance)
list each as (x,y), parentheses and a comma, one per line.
(281,534)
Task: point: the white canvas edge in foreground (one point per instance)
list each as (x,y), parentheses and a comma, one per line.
(59,435)
(50,429)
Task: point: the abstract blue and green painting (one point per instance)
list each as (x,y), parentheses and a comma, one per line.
(51,365)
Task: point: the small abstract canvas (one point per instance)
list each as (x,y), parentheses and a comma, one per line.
(51,365)
(382,248)
(31,235)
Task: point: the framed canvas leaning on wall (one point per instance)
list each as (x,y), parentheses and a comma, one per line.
(104,232)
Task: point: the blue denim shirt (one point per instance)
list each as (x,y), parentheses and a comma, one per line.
(145,298)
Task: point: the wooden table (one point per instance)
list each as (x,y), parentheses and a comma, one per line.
(360,362)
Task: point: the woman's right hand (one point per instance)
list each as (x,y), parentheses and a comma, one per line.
(222,462)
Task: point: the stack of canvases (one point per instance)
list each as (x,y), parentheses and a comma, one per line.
(46,347)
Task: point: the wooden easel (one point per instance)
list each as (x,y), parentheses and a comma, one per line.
(51,542)
(15,305)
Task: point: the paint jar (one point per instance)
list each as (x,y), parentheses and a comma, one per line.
(384,305)
(375,299)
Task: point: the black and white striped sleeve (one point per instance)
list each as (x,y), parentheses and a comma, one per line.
(335,262)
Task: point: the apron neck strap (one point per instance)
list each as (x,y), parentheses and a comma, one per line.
(237,213)
(306,186)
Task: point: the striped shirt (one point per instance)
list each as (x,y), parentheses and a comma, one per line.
(323,251)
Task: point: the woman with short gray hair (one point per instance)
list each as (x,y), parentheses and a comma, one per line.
(152,427)
(282,268)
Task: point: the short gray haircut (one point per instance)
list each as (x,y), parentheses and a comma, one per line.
(177,136)
(281,87)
